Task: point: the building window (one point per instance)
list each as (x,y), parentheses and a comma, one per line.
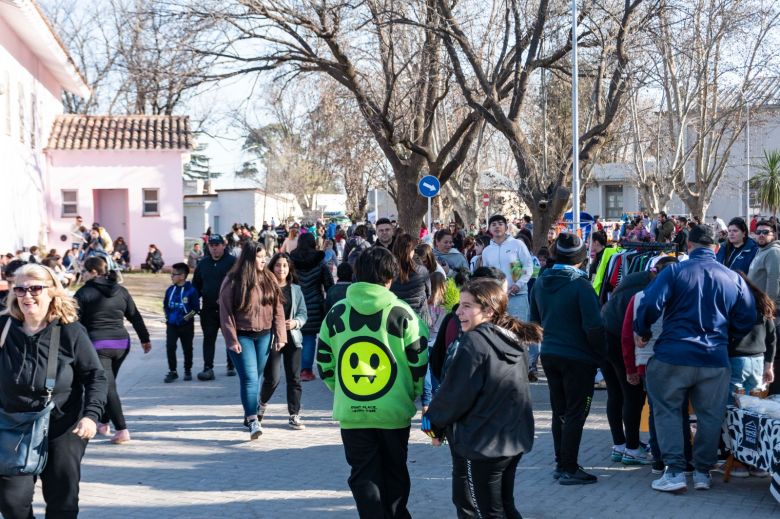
(70,203)
(151,201)
(614,206)
(22,106)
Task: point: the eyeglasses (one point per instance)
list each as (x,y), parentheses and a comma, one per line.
(175,274)
(763,231)
(34,290)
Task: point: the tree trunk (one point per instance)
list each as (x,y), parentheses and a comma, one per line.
(411,205)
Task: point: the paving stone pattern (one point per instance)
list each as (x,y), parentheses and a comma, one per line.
(190,457)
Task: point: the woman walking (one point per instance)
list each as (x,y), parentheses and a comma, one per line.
(36,305)
(104,305)
(294,318)
(250,312)
(483,405)
(315,279)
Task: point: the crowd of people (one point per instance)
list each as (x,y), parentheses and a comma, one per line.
(457,319)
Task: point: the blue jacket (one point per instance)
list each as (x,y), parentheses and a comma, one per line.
(740,259)
(704,304)
(179,301)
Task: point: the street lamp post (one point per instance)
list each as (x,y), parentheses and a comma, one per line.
(575,166)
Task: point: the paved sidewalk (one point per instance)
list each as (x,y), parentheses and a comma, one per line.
(190,457)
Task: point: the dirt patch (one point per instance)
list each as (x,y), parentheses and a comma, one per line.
(147,290)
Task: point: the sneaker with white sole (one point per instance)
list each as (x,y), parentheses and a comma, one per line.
(670,482)
(758,473)
(255,430)
(635,457)
(740,472)
(702,480)
(617,453)
(296,423)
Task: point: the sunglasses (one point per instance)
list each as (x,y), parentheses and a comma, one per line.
(34,290)
(763,231)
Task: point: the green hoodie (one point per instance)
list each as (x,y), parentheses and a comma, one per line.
(373,355)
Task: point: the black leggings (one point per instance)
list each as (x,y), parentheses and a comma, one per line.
(570,383)
(484,488)
(60,480)
(292,373)
(624,401)
(112,360)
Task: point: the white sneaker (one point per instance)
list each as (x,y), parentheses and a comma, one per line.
(702,480)
(670,482)
(296,423)
(255,430)
(740,472)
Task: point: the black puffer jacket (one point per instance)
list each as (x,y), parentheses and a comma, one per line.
(484,401)
(315,279)
(103,307)
(416,291)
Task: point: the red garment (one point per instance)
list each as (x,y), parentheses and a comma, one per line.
(599,226)
(627,341)
(753,224)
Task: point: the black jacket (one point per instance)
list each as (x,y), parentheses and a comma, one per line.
(335,294)
(80,384)
(103,307)
(484,401)
(208,278)
(614,311)
(315,279)
(416,291)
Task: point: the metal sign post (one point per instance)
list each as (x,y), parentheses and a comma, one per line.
(575,152)
(429,186)
(486,205)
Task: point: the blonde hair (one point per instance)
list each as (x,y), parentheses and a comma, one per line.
(62,306)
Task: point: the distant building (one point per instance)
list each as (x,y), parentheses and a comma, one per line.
(123,172)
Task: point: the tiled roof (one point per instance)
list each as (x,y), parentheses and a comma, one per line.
(121,132)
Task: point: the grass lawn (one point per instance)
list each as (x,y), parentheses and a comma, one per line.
(147,290)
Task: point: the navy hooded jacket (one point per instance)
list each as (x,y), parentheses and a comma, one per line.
(738,259)
(704,304)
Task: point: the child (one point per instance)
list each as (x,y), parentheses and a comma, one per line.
(181,303)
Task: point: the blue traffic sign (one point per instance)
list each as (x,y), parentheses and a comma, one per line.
(429,186)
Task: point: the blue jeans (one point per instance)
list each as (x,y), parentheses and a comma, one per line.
(668,385)
(250,364)
(746,373)
(309,349)
(519,308)
(430,386)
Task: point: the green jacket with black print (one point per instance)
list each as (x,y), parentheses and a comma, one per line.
(373,355)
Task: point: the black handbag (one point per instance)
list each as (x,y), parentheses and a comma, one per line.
(24,437)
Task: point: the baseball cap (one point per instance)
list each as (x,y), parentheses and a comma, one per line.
(216,238)
(701,234)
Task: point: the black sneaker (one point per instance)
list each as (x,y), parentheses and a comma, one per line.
(557,473)
(231,372)
(188,375)
(171,376)
(577,478)
(206,374)
(658,467)
(532,376)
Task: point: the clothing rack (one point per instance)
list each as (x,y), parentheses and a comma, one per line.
(650,246)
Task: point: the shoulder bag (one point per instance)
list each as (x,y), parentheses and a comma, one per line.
(24,437)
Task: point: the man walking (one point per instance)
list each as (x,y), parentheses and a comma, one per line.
(373,355)
(704,304)
(209,274)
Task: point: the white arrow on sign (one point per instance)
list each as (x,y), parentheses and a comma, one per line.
(430,187)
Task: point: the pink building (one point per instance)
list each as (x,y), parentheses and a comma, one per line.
(122,172)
